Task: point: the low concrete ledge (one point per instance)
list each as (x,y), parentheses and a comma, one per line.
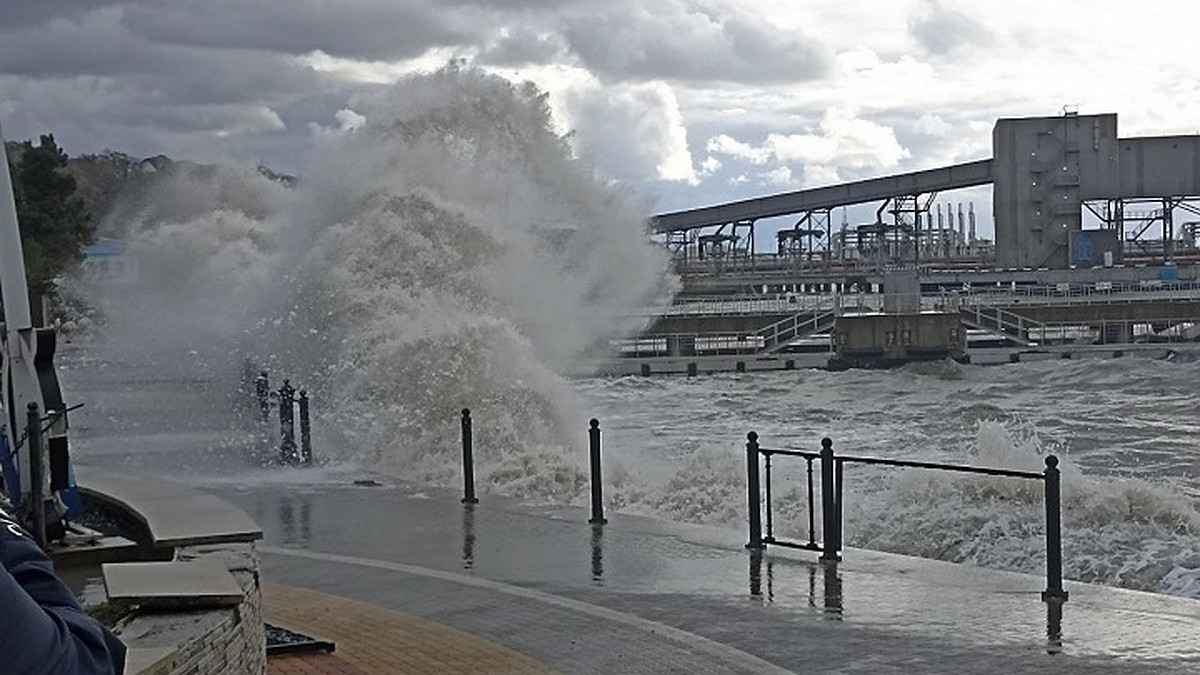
(198,584)
(174,515)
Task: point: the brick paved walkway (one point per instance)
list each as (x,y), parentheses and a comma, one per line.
(371,639)
(311,664)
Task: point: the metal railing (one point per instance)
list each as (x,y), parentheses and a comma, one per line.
(780,333)
(759,501)
(1000,321)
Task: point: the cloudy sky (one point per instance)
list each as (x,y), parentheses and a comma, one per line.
(690,102)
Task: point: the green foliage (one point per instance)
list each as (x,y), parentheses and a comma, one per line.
(55,224)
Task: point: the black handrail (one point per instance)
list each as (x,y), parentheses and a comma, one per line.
(831,501)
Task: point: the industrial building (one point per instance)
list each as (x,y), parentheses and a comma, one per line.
(1046,173)
(1079,213)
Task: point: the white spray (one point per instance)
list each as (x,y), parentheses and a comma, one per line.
(448,253)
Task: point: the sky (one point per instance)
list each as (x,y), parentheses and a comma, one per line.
(687,102)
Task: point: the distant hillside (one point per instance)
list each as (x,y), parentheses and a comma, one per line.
(115,187)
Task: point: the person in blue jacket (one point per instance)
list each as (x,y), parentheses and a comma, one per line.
(43,629)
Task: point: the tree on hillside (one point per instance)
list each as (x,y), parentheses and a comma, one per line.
(55,225)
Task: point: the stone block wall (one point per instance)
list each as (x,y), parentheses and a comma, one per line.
(218,640)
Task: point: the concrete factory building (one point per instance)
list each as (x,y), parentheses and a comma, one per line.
(1046,171)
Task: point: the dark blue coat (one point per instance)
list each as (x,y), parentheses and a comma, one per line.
(43,629)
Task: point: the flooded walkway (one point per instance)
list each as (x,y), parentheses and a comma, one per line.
(636,595)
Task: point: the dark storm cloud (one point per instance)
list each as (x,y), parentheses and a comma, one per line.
(204,77)
(678,40)
(17,13)
(97,85)
(365,29)
(523,46)
(540,6)
(940,30)
(150,72)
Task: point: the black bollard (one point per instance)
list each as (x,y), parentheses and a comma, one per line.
(287,424)
(1054,588)
(468,536)
(597,488)
(830,516)
(598,555)
(37,495)
(305,430)
(468,459)
(262,391)
(754,506)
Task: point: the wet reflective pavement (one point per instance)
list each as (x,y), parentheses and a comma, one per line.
(783,606)
(635,595)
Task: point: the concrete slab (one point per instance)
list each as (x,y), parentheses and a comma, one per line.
(148,660)
(174,514)
(102,550)
(172,585)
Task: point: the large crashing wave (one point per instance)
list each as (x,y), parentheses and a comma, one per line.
(448,253)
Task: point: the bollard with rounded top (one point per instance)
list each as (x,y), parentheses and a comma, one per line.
(597,486)
(468,459)
(830,512)
(305,430)
(1054,587)
(262,391)
(754,507)
(287,423)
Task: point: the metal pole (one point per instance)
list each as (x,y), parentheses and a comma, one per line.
(287,424)
(1054,588)
(837,503)
(305,430)
(811,511)
(767,484)
(37,494)
(597,488)
(468,444)
(262,390)
(752,489)
(829,525)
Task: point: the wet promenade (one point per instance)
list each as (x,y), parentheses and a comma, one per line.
(406,579)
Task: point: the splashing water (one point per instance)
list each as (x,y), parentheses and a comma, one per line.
(1121,531)
(1129,517)
(449,253)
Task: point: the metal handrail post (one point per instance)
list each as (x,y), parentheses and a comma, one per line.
(752,491)
(829,516)
(767,485)
(837,504)
(1054,585)
(812,541)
